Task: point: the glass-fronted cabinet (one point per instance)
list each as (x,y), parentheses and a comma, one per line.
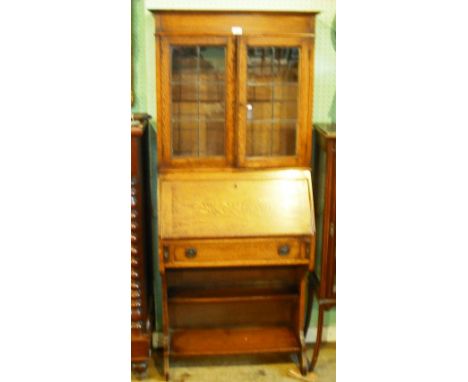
(273,100)
(198,94)
(234,100)
(196,101)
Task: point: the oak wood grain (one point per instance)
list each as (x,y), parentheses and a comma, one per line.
(242,250)
(185,296)
(233,341)
(280,279)
(220,23)
(229,313)
(236,205)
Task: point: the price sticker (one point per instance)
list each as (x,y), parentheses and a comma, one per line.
(237,31)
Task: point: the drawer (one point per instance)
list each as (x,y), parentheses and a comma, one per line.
(237,251)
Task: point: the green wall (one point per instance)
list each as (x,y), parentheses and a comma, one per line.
(143,61)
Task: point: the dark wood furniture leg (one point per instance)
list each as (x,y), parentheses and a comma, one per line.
(166,339)
(312,285)
(303,362)
(166,357)
(318,341)
(140,369)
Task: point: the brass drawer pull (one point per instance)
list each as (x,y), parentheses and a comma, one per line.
(190,253)
(283,250)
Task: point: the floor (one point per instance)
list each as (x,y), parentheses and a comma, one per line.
(265,368)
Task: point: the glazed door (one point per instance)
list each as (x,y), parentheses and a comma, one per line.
(197,101)
(274,93)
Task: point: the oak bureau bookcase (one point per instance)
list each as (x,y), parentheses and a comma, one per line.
(236,230)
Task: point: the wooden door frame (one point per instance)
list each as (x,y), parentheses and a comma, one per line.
(303,132)
(166,159)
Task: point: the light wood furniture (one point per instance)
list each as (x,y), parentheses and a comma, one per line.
(229,100)
(141,291)
(325,186)
(236,232)
(234,252)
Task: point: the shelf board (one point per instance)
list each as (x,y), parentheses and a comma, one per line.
(197,82)
(279,82)
(221,295)
(193,100)
(193,342)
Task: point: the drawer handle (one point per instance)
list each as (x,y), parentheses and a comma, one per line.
(190,253)
(283,250)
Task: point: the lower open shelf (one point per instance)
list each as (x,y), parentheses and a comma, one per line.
(225,341)
(223,295)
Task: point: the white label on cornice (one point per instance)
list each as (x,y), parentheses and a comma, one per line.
(237,31)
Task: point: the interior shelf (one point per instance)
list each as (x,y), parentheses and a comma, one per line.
(194,342)
(185,295)
(195,300)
